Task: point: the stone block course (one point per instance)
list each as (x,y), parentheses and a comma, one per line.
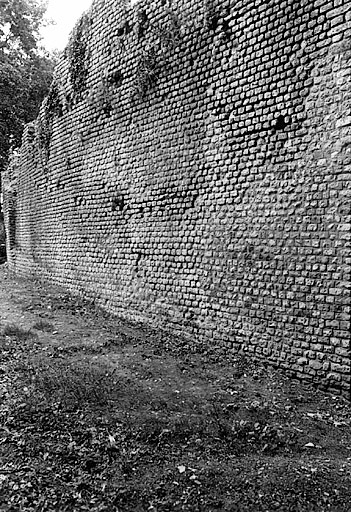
(190,169)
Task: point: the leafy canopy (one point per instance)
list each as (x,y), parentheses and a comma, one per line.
(25,69)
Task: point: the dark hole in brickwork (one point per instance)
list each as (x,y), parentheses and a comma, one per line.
(127,28)
(280,123)
(193,200)
(69,101)
(142,23)
(107,109)
(116,78)
(60,185)
(124,29)
(118,204)
(138,258)
(79,201)
(211,15)
(226,29)
(213,22)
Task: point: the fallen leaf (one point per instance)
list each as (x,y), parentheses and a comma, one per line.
(112,441)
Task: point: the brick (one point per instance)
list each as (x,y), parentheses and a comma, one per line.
(198,185)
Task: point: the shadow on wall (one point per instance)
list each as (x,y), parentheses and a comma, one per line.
(2,239)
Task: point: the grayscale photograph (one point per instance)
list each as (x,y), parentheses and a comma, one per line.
(175,227)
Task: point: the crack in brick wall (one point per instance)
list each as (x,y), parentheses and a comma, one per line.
(190,169)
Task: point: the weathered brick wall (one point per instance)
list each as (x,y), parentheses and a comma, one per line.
(189,169)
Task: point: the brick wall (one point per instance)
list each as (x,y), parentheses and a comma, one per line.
(190,169)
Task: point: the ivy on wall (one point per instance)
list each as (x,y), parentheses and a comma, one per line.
(146,72)
(52,107)
(77,53)
(154,57)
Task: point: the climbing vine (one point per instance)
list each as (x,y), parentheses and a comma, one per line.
(52,107)
(147,72)
(155,57)
(53,104)
(169,33)
(77,53)
(44,133)
(212,16)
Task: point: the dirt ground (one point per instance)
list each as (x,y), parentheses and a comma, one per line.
(97,414)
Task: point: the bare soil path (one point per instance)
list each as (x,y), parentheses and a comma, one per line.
(97,414)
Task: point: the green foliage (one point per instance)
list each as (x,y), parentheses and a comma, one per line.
(2,229)
(78,54)
(20,21)
(25,70)
(146,73)
(71,385)
(156,56)
(17,333)
(43,325)
(211,15)
(169,32)
(44,132)
(53,105)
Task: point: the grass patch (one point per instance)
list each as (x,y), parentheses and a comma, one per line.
(77,383)
(43,325)
(73,386)
(18,333)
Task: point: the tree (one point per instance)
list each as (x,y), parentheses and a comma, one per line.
(25,69)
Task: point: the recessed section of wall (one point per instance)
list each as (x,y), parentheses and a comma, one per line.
(190,169)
